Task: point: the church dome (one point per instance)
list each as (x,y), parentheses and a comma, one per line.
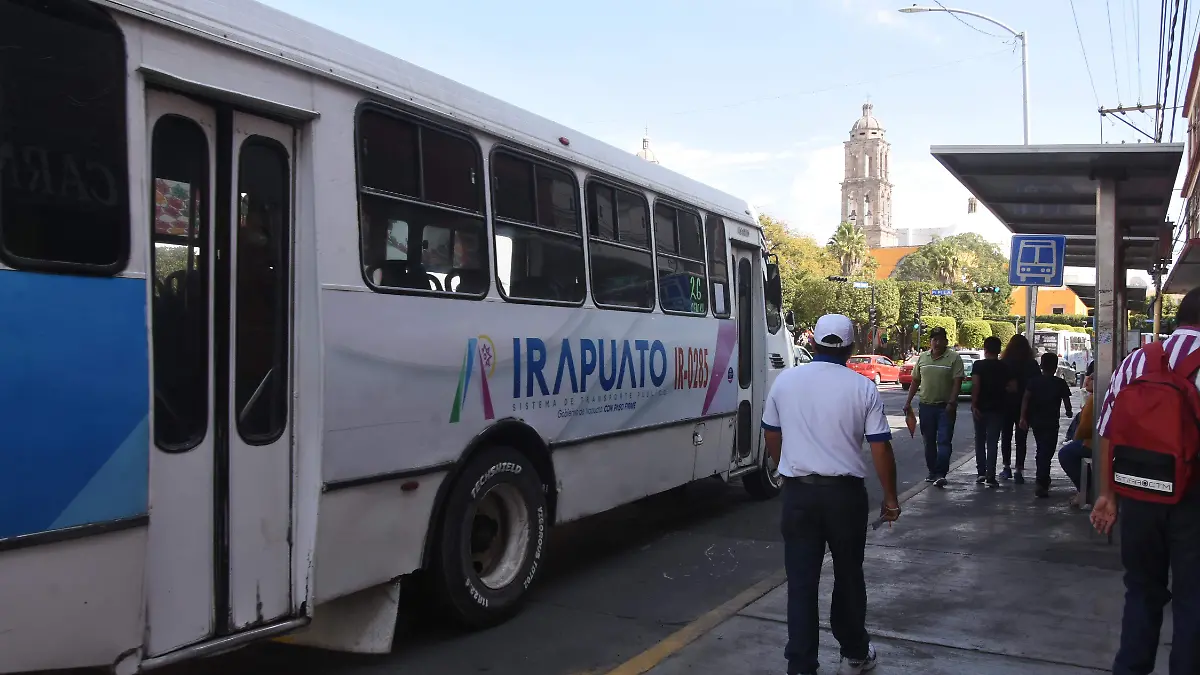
(868,125)
(646,153)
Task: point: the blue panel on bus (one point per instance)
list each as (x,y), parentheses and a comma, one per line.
(74,401)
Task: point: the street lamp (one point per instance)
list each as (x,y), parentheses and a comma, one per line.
(1023,37)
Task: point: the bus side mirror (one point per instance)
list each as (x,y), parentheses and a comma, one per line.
(790,319)
(774,288)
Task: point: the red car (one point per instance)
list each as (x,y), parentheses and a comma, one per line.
(878,368)
(906,371)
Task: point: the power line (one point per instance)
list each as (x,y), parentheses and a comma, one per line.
(1112,49)
(968,25)
(1137,36)
(1178,63)
(1170,51)
(836,87)
(1083,49)
(1162,32)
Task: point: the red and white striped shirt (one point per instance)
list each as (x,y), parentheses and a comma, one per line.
(1181,343)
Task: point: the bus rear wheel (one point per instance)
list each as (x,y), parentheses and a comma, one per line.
(763,483)
(492,538)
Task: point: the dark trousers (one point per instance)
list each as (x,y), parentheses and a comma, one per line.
(937,429)
(1006,439)
(815,516)
(1046,439)
(988,426)
(1157,539)
(1070,458)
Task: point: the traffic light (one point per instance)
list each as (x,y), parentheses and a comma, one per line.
(871,315)
(987,289)
(836,278)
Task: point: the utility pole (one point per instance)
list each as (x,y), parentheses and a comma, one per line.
(920,306)
(1120,112)
(874,320)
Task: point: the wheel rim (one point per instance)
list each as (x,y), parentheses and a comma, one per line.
(877,378)
(499,536)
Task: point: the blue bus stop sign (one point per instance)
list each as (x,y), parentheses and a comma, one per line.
(1036,260)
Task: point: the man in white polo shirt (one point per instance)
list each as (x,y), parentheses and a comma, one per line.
(815,420)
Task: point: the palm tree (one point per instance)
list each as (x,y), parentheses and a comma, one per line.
(947,263)
(849,245)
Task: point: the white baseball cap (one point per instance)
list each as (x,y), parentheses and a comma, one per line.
(834,330)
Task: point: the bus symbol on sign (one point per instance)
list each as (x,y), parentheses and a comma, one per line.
(1036,260)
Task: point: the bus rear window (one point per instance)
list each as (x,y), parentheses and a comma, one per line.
(63,155)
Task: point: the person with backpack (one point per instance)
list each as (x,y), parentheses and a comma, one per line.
(1149,428)
(1039,411)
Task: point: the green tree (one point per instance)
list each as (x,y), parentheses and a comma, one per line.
(961,262)
(930,322)
(800,258)
(1003,330)
(849,246)
(972,333)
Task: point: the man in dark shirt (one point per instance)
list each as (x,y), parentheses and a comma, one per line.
(988,378)
(1039,411)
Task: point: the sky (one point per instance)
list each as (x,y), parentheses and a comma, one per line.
(756,97)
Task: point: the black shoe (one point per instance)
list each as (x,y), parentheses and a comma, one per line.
(1006,474)
(940,482)
(930,478)
(1019,478)
(981,480)
(993,483)
(1041,492)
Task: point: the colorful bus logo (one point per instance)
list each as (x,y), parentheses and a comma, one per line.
(481,352)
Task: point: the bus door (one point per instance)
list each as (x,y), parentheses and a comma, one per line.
(748,303)
(220,553)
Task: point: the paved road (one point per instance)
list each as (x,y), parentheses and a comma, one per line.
(614,585)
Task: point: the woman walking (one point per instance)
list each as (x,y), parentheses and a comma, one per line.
(1020,367)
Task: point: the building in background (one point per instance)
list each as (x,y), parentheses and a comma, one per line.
(646,153)
(866,190)
(1185,273)
(919,236)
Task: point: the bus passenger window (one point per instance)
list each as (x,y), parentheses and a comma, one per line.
(421,208)
(682,285)
(622,264)
(64,196)
(539,246)
(718,265)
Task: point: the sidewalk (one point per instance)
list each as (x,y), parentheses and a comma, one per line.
(970,580)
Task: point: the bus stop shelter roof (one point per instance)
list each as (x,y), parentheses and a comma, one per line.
(1051,189)
(1135,296)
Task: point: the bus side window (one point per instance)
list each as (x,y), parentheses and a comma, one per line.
(718,265)
(679,241)
(64,195)
(619,247)
(539,246)
(421,207)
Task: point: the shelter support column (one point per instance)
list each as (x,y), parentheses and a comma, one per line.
(1110,284)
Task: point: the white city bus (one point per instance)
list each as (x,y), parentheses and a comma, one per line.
(287,321)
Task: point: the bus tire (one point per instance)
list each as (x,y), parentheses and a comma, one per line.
(763,483)
(492,538)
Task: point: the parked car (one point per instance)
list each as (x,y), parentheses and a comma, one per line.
(878,368)
(965,389)
(906,372)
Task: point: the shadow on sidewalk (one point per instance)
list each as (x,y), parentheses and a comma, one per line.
(970,580)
